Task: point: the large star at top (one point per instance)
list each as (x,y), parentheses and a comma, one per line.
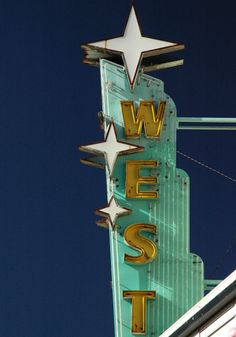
(111,148)
(133,46)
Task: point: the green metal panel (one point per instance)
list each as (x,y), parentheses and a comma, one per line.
(176,275)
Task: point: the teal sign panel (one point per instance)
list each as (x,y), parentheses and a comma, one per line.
(175,275)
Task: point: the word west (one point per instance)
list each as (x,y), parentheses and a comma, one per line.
(134,123)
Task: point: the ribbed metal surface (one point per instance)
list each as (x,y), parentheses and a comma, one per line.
(176,275)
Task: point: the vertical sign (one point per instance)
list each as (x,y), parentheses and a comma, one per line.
(170,275)
(155,278)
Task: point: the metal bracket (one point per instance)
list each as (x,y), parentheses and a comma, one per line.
(210,284)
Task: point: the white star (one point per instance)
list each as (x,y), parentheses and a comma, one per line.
(111,148)
(112,212)
(133,46)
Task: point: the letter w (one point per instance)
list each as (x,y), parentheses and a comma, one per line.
(133,123)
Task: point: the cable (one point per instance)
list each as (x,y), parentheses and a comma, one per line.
(206,166)
(222,259)
(233,240)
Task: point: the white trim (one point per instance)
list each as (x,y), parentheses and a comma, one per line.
(227,318)
(201,304)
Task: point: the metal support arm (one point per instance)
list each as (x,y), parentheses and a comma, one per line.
(206,123)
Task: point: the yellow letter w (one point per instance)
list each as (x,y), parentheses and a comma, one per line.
(146,114)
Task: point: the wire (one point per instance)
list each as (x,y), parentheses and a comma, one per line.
(206,166)
(233,240)
(222,259)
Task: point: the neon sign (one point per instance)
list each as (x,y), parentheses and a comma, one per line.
(155,279)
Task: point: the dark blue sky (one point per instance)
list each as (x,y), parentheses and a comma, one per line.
(54,260)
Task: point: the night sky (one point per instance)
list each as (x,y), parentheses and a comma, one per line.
(54,260)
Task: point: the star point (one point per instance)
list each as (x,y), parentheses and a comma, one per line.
(111,148)
(133,47)
(112,212)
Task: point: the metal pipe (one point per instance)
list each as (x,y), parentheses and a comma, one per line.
(223,128)
(190,123)
(206,120)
